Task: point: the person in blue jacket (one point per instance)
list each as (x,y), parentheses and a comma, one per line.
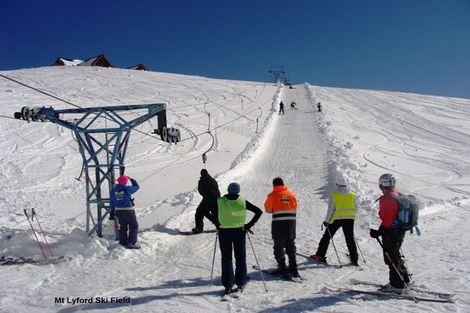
(122,204)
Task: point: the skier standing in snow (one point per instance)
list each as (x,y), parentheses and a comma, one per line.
(122,204)
(209,190)
(232,233)
(282,204)
(392,235)
(341,214)
(319,106)
(281,107)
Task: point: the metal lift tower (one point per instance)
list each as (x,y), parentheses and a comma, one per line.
(103,136)
(277,73)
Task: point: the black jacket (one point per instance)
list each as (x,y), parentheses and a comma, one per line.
(208,186)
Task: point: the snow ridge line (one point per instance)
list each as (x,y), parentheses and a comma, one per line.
(340,160)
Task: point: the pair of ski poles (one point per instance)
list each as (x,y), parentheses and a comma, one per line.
(336,251)
(256,258)
(33,214)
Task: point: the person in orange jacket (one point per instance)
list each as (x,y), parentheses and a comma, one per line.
(282,204)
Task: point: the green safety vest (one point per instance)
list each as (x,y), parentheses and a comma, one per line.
(345,207)
(232,213)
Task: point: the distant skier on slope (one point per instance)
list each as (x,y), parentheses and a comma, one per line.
(319,106)
(232,233)
(122,204)
(283,205)
(392,235)
(292,105)
(209,190)
(281,107)
(341,214)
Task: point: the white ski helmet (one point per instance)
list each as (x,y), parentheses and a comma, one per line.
(387,181)
(340,181)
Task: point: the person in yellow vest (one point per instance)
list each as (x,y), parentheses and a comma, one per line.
(232,230)
(341,214)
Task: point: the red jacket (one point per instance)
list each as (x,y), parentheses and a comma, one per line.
(388,208)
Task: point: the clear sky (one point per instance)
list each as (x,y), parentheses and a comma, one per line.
(420,46)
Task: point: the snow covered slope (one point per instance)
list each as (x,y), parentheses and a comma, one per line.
(423,140)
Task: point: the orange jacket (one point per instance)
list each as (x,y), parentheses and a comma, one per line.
(282,203)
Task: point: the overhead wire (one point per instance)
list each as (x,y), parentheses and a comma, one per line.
(4,116)
(137,130)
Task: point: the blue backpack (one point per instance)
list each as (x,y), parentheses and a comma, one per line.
(408,211)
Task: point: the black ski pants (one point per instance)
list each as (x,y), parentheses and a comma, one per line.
(205,209)
(348,231)
(283,246)
(392,239)
(127,223)
(233,239)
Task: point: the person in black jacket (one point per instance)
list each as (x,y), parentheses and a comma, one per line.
(281,107)
(209,190)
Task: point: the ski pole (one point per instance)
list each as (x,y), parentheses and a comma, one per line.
(405,263)
(334,246)
(362,255)
(213,257)
(257,263)
(391,262)
(33,214)
(34,232)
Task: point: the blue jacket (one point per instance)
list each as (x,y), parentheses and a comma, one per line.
(121,195)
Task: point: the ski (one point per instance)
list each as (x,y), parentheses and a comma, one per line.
(325,263)
(190,233)
(8,260)
(444,295)
(406,296)
(316,261)
(292,279)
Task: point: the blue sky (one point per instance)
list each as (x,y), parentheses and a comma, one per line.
(420,46)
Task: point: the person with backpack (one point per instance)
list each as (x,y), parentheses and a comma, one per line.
(341,214)
(122,205)
(209,190)
(232,228)
(282,204)
(392,234)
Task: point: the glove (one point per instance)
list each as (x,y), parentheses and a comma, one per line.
(111,217)
(326,224)
(247,228)
(375,233)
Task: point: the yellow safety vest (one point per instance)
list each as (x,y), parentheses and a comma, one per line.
(232,213)
(345,207)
